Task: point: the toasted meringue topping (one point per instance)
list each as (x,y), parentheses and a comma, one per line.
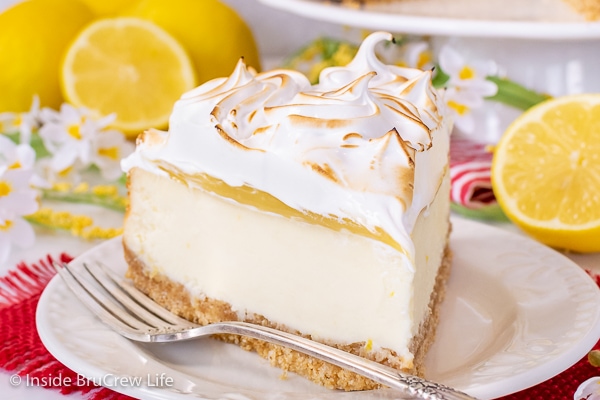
(361,145)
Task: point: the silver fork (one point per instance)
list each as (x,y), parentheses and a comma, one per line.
(135,316)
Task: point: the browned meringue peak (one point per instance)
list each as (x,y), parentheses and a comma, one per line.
(367,146)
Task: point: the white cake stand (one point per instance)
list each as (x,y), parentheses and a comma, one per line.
(547,48)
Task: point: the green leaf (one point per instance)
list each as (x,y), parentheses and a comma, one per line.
(14,136)
(38,146)
(440,78)
(36,143)
(330,47)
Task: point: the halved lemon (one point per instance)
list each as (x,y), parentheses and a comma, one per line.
(546,172)
(127,66)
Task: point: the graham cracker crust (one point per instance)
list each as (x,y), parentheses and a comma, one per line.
(177,299)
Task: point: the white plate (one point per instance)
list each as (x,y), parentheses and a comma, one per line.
(516,314)
(538,19)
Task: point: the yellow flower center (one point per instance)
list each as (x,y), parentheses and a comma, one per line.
(74,131)
(79,225)
(65,172)
(105,190)
(460,109)
(15,165)
(6,225)
(466,73)
(424,58)
(62,186)
(5,188)
(81,188)
(110,152)
(18,120)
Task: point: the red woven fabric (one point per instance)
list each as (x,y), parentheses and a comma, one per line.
(22,351)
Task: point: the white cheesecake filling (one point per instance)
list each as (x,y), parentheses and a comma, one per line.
(367,147)
(336,286)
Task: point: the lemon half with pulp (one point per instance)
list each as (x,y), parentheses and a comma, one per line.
(127,66)
(546,172)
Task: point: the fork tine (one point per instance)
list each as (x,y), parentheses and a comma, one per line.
(143,300)
(99,303)
(131,305)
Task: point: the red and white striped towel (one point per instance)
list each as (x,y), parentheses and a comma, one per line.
(470,173)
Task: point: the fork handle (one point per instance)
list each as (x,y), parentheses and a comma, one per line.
(409,384)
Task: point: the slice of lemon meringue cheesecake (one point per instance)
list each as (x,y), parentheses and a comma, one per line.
(319,210)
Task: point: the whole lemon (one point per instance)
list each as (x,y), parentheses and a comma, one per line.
(214,35)
(107,8)
(33,37)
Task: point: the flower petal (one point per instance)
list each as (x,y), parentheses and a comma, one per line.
(25,156)
(450,60)
(5,247)
(22,234)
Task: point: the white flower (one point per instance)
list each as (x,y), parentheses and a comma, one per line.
(14,231)
(17,199)
(467,86)
(20,156)
(14,155)
(8,122)
(23,123)
(67,136)
(16,195)
(469,76)
(418,55)
(462,103)
(588,390)
(77,140)
(109,147)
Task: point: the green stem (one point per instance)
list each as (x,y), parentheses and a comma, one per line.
(509,92)
(35,221)
(492,212)
(115,203)
(515,95)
